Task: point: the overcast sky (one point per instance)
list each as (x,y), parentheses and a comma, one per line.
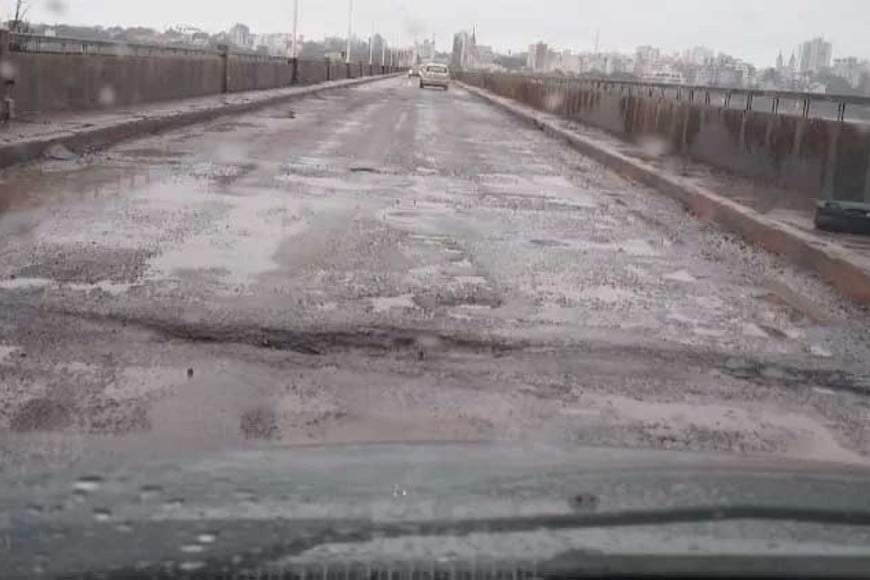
(752,29)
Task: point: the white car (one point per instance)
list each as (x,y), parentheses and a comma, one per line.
(434,75)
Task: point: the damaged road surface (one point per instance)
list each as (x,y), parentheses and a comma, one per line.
(384,264)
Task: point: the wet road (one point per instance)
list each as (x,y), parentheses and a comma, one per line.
(389,264)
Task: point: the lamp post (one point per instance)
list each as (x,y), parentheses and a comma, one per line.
(295,28)
(349,28)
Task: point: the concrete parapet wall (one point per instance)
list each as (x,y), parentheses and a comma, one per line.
(61,82)
(816,158)
(56,75)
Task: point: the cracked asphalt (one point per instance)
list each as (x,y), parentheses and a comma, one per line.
(385,264)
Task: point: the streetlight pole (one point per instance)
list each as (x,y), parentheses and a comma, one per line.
(349,28)
(295,28)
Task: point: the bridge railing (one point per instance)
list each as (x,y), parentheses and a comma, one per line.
(813,145)
(40,74)
(36,44)
(803,104)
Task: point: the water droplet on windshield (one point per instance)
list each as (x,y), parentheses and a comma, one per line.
(34,510)
(102,515)
(107,97)
(206,538)
(191,566)
(7,70)
(147,492)
(88,484)
(192,548)
(245,495)
(124,528)
(173,504)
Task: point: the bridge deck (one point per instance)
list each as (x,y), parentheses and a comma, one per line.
(393,264)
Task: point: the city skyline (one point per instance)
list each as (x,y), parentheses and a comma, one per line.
(671,25)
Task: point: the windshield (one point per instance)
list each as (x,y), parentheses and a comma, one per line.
(357,233)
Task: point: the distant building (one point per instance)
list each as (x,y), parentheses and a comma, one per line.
(240,35)
(485,56)
(538,59)
(277,44)
(698,55)
(647,59)
(815,55)
(464,45)
(425,51)
(851,69)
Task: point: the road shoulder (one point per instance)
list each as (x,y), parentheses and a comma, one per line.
(845,268)
(79,133)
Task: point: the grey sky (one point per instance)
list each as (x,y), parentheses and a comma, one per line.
(752,29)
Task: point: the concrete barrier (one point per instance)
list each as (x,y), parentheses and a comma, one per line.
(815,158)
(63,75)
(103,133)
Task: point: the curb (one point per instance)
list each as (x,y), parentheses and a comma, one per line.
(830,261)
(107,135)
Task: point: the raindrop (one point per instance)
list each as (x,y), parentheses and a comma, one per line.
(192,548)
(7,70)
(124,528)
(147,492)
(206,538)
(191,566)
(245,495)
(38,569)
(88,484)
(34,510)
(102,515)
(107,96)
(173,504)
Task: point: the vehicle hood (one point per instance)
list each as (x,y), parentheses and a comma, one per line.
(297,501)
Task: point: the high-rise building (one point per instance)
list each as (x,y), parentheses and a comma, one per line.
(646,59)
(698,55)
(851,69)
(539,57)
(240,35)
(815,55)
(464,47)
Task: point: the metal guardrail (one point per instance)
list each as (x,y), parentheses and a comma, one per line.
(806,105)
(34,43)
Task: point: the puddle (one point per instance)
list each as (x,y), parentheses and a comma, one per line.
(820,351)
(149,153)
(802,436)
(6,352)
(608,294)
(404,302)
(241,245)
(548,243)
(112,288)
(681,276)
(470,280)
